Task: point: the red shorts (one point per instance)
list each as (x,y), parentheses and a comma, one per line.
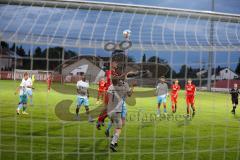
(101,92)
(190,100)
(174,99)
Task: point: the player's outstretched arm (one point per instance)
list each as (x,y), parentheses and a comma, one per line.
(133,84)
(130,92)
(30,86)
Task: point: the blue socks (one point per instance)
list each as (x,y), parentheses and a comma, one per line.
(20,106)
(165,110)
(31,101)
(109,126)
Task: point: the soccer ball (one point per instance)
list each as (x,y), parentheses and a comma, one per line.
(126,33)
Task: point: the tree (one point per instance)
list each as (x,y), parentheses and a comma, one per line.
(131,59)
(55,53)
(218,69)
(20,51)
(156,59)
(144,58)
(153,59)
(38,52)
(13,47)
(4,44)
(181,73)
(70,54)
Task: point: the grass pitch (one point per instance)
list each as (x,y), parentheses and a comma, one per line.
(44,134)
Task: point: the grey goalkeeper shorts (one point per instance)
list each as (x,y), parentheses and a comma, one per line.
(116,118)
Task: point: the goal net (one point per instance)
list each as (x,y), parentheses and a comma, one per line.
(38,74)
(68,38)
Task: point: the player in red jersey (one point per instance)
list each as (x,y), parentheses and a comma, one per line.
(174,95)
(49,81)
(101,89)
(190,94)
(109,73)
(112,72)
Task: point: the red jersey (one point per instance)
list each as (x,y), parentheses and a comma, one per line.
(101,85)
(190,89)
(174,89)
(109,73)
(49,80)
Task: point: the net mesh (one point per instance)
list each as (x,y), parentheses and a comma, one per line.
(69,37)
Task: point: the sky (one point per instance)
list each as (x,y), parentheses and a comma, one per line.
(227,6)
(58,25)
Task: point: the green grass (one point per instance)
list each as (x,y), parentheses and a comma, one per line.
(213,134)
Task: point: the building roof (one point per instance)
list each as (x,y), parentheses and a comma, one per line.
(215,71)
(71,23)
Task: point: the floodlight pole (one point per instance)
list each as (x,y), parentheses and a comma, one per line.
(210,54)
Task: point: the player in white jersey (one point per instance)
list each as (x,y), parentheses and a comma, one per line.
(82,97)
(28,83)
(22,89)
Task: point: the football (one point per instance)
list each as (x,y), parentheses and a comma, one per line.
(126,33)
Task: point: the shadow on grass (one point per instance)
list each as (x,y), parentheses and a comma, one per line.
(62,111)
(131,101)
(184,122)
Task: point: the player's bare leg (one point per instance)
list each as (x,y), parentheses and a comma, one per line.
(77,113)
(115,139)
(123,121)
(90,119)
(188,110)
(49,89)
(20,106)
(165,109)
(107,132)
(193,110)
(24,110)
(31,100)
(174,107)
(101,118)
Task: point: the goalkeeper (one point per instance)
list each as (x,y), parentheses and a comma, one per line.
(234,95)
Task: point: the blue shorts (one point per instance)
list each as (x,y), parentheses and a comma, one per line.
(23,99)
(82,101)
(29,92)
(161,99)
(124,110)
